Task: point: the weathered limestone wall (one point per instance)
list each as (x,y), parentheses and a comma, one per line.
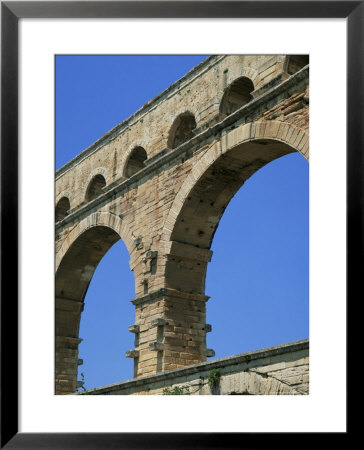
(280,370)
(167,212)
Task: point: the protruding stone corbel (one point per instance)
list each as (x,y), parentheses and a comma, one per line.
(159,322)
(210,352)
(156,346)
(208,327)
(138,242)
(69,340)
(150,260)
(133,328)
(79,362)
(150,254)
(132,354)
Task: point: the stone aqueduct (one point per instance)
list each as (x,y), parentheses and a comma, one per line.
(160,181)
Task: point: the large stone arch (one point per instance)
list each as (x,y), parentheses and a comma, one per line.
(76,262)
(193,219)
(288,134)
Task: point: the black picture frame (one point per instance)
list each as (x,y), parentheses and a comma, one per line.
(11,12)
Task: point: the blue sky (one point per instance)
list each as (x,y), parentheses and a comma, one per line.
(258,276)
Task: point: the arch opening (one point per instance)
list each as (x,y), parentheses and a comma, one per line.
(259,270)
(199,216)
(62,208)
(95,187)
(296,62)
(182,130)
(72,281)
(206,202)
(136,161)
(236,95)
(105,320)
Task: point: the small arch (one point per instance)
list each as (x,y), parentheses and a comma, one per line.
(295,62)
(182,130)
(97,219)
(236,95)
(62,208)
(95,187)
(136,161)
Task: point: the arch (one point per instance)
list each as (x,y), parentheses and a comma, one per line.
(259,248)
(238,71)
(95,187)
(203,197)
(97,219)
(76,262)
(289,134)
(105,319)
(135,161)
(294,63)
(62,208)
(64,193)
(236,95)
(181,130)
